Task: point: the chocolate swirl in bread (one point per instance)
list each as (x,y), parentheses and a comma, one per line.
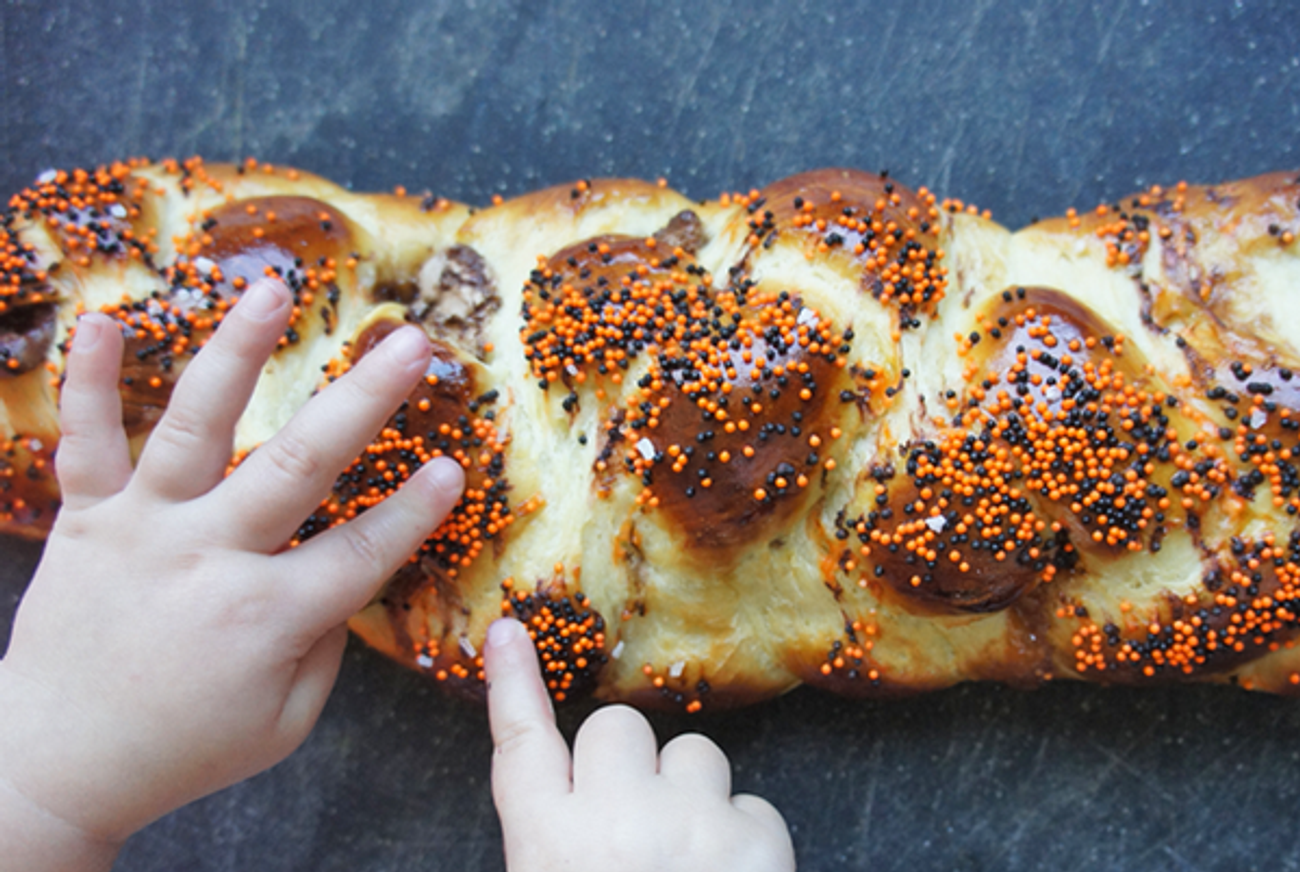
(833,431)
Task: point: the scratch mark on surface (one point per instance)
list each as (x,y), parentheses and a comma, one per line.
(1008,845)
(685,93)
(864,820)
(1118,761)
(143,62)
(1018,149)
(241,60)
(1032,17)
(1183,862)
(1039,758)
(972,757)
(740,131)
(1116,16)
(950,154)
(4,83)
(887,75)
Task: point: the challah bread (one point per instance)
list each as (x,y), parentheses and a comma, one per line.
(833,431)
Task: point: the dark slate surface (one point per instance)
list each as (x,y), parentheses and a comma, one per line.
(1024,108)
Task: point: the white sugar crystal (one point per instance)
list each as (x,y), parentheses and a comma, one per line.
(618,650)
(677,669)
(936,523)
(647,449)
(468,647)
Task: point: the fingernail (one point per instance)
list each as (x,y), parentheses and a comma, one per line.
(503,631)
(89,332)
(447,475)
(408,345)
(262,300)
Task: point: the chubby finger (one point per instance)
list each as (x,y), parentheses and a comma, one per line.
(93,460)
(188,452)
(615,749)
(333,576)
(530,764)
(773,826)
(283,481)
(762,811)
(692,762)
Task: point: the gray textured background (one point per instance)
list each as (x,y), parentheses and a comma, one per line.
(1023,108)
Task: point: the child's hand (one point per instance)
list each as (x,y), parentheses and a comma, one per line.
(169,645)
(616,804)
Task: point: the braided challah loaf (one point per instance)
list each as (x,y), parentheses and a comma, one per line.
(832,431)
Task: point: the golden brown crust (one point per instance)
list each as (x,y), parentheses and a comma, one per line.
(831,431)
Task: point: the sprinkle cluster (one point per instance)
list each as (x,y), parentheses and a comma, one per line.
(102,213)
(229,248)
(1126,230)
(22,281)
(1248,605)
(1261,408)
(745,383)
(465,667)
(848,658)
(88,213)
(300,241)
(1061,442)
(568,632)
(598,305)
(730,412)
(673,687)
(888,231)
(28,494)
(443,416)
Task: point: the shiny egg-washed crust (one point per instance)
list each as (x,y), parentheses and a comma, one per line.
(833,431)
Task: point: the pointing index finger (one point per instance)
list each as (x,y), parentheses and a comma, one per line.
(531,759)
